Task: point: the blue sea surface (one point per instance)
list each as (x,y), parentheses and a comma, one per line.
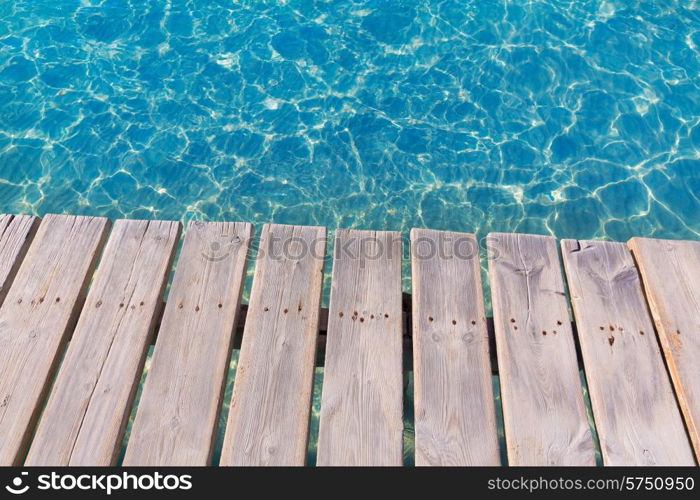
(572,118)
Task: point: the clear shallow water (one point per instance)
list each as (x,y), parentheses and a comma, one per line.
(578,119)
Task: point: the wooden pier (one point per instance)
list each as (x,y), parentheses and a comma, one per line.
(82,300)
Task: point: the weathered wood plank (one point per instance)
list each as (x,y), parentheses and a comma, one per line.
(16,233)
(543,409)
(269,417)
(635,410)
(36,320)
(361,407)
(455,415)
(179,408)
(671,276)
(84,420)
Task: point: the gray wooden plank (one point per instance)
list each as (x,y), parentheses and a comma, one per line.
(455,415)
(361,407)
(670,273)
(16,233)
(179,408)
(543,409)
(269,417)
(37,317)
(635,410)
(84,420)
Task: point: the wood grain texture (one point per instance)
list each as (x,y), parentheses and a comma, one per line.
(455,415)
(543,408)
(670,273)
(361,407)
(16,234)
(179,408)
(37,317)
(84,420)
(635,410)
(269,417)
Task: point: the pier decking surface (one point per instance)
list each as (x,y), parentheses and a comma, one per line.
(82,301)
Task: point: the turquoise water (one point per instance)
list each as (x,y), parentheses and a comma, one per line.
(573,118)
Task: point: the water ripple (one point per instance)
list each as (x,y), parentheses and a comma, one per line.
(578,119)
